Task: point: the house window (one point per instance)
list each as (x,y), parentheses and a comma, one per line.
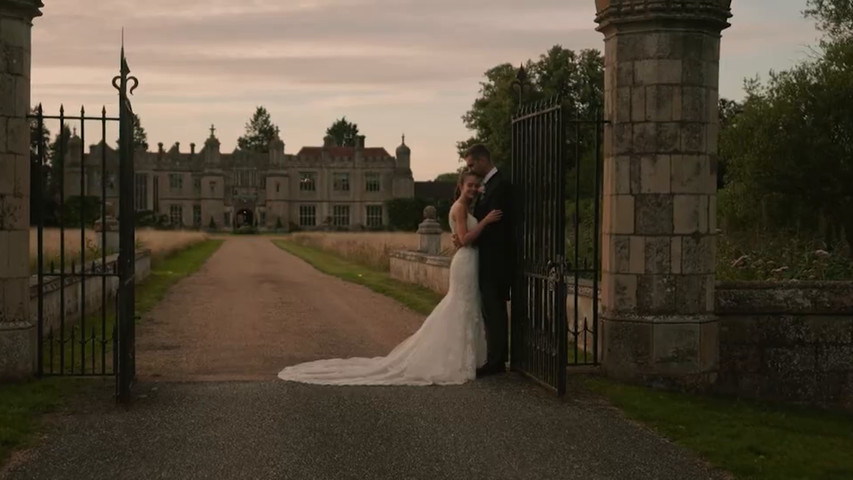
(307,215)
(307,181)
(157,195)
(197,215)
(212,187)
(263,218)
(176,214)
(374,215)
(196,184)
(340,215)
(277,187)
(176,182)
(340,182)
(226,219)
(371,182)
(141,192)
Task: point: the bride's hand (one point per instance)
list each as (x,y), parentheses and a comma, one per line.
(493,216)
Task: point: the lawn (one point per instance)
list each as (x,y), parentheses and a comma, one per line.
(23,405)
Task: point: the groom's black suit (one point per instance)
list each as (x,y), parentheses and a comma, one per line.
(497,262)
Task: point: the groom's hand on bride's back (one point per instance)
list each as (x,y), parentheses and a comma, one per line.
(456,243)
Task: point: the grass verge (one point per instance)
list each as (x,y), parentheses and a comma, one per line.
(751,440)
(23,405)
(417,298)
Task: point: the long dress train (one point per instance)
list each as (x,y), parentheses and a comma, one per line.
(446,350)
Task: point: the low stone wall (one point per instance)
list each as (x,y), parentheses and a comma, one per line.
(430,271)
(790,342)
(73,292)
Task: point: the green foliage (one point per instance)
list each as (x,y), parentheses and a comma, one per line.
(578,77)
(140,138)
(405,213)
(789,153)
(835,17)
(260,131)
(344,132)
(77,211)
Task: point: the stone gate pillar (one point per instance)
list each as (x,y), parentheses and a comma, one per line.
(659,204)
(17,332)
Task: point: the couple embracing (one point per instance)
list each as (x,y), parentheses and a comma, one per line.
(465,336)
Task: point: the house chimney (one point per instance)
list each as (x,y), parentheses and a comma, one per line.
(192,149)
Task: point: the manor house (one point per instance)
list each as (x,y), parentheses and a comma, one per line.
(318,187)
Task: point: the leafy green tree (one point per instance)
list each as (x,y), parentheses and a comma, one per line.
(344,132)
(448,177)
(834,17)
(260,131)
(577,77)
(39,172)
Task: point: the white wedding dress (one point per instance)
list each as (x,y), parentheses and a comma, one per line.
(446,350)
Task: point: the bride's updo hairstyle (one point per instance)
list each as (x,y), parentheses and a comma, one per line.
(465,174)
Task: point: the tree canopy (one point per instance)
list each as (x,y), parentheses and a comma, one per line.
(344,132)
(577,77)
(260,131)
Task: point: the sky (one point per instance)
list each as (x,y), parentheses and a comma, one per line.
(393,67)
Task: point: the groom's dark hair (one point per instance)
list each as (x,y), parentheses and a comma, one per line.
(479,152)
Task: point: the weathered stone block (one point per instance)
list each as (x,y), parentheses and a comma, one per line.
(17,253)
(8,90)
(675,248)
(662,45)
(791,359)
(693,137)
(624,73)
(635,103)
(618,214)
(656,294)
(690,173)
(14,32)
(698,254)
(16,299)
(13,60)
(17,351)
(645,138)
(668,137)
(638,258)
(658,255)
(22,96)
(694,72)
(835,358)
(624,293)
(692,291)
(657,71)
(628,47)
(836,330)
(740,358)
(14,212)
(654,174)
(690,214)
(18,136)
(659,100)
(616,254)
(627,346)
(621,174)
(654,214)
(622,138)
(694,104)
(8,165)
(676,347)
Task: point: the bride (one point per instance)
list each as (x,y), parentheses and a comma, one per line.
(450,344)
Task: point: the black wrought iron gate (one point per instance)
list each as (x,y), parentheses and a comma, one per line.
(85,276)
(556,178)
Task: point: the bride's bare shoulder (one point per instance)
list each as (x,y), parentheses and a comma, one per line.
(457,209)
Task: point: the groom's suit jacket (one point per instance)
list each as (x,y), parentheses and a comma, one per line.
(495,243)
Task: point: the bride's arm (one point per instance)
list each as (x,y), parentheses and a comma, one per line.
(460,219)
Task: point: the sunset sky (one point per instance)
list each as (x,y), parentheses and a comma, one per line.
(391,66)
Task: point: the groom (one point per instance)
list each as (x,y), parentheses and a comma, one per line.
(497,255)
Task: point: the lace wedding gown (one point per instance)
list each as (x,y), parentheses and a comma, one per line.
(446,350)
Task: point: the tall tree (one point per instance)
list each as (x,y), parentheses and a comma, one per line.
(834,17)
(577,77)
(38,169)
(260,131)
(344,132)
(140,138)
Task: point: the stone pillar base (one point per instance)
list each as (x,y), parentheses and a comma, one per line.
(18,350)
(429,233)
(667,351)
